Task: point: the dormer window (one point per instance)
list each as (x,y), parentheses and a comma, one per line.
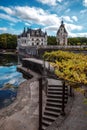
(37,33)
(32,32)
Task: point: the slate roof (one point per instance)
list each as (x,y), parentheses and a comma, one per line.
(33,33)
(62,26)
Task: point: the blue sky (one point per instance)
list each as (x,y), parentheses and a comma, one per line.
(44,14)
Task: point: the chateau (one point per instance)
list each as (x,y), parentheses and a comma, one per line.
(62,35)
(32,38)
(37,37)
(34,42)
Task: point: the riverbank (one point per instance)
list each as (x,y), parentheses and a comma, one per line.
(11,52)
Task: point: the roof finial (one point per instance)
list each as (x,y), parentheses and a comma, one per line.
(62,21)
(24,29)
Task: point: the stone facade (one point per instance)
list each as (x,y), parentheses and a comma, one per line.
(62,35)
(32,38)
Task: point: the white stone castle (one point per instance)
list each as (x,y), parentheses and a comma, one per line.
(32,38)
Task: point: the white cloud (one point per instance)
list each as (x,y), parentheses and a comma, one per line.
(77,34)
(71,27)
(67,11)
(59,0)
(50,2)
(82,34)
(83,11)
(85,3)
(67,18)
(51,28)
(27,24)
(10,30)
(9,18)
(75,18)
(60,7)
(32,14)
(12,24)
(3,29)
(7,10)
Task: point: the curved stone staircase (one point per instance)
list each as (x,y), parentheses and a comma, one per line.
(53,104)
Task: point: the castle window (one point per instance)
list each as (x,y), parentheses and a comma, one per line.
(32,43)
(37,43)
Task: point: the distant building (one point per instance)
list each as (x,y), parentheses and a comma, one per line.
(32,38)
(62,35)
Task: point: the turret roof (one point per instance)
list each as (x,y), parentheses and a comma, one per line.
(62,26)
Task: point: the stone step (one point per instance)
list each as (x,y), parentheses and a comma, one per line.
(56,104)
(49,118)
(53,104)
(46,123)
(52,81)
(53,108)
(56,100)
(56,92)
(57,88)
(52,113)
(44,127)
(55,96)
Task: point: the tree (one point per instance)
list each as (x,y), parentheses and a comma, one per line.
(8,41)
(77,41)
(51,40)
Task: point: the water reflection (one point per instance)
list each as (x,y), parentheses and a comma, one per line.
(7,59)
(9,79)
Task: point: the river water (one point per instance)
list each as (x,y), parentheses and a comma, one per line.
(10,79)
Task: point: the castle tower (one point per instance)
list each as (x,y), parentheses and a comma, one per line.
(62,35)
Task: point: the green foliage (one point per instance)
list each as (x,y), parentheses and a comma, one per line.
(77,41)
(51,40)
(8,41)
(69,66)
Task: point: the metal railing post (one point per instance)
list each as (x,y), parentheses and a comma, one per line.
(40,103)
(70,91)
(63,99)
